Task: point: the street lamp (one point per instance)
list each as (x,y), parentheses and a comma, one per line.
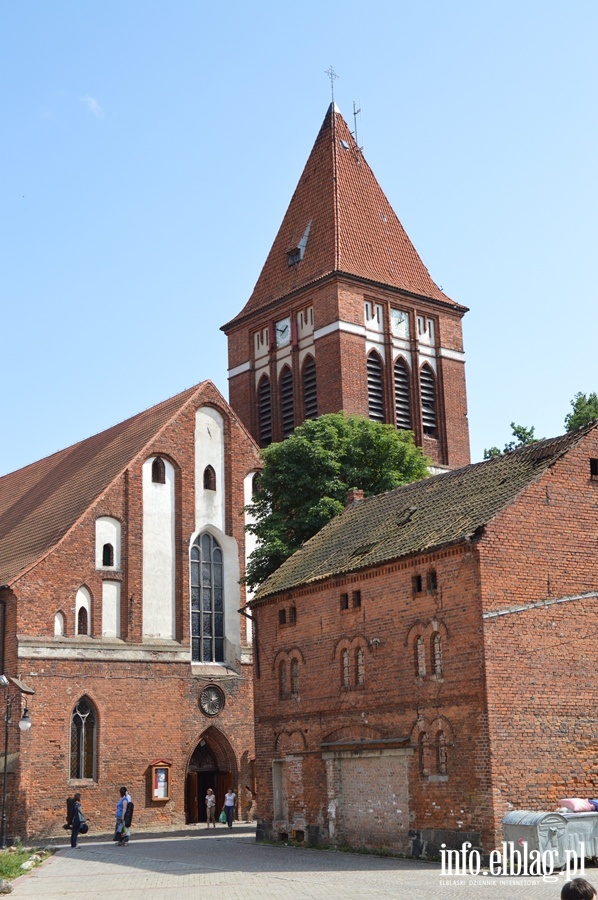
(24,725)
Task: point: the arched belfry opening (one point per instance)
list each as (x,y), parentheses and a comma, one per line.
(212,765)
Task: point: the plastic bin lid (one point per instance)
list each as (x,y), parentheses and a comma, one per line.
(529,817)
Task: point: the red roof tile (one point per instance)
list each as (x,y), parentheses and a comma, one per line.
(38,504)
(352,227)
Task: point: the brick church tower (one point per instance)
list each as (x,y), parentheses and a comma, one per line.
(345,315)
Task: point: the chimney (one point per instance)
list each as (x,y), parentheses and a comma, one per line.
(354,495)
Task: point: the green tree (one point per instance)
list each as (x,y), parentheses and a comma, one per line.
(585,409)
(306,477)
(522,437)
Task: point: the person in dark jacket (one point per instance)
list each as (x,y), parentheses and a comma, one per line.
(76,821)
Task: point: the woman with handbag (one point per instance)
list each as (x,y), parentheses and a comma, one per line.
(230,801)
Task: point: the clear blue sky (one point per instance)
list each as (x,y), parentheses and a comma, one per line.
(149,151)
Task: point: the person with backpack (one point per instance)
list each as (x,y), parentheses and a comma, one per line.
(77,820)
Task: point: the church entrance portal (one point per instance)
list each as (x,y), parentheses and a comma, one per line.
(212,765)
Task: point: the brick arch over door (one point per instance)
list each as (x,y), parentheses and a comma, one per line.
(212,763)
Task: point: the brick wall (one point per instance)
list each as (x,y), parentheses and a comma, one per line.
(146,708)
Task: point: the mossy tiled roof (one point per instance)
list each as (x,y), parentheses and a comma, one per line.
(440,510)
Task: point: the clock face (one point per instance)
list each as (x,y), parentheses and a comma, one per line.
(399,322)
(283,332)
(211,700)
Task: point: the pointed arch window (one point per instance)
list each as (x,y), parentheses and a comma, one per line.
(264,403)
(428,395)
(209,479)
(59,624)
(375,387)
(345,669)
(424,752)
(108,555)
(360,666)
(207,600)
(402,395)
(437,654)
(282,680)
(287,403)
(420,657)
(83,740)
(441,754)
(82,621)
(158,471)
(294,677)
(310,393)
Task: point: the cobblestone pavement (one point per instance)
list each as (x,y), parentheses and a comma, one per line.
(230,864)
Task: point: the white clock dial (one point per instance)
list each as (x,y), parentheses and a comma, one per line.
(283,332)
(399,322)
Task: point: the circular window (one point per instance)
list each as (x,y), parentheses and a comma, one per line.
(211,700)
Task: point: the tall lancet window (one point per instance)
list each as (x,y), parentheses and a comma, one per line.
(264,403)
(207,600)
(428,394)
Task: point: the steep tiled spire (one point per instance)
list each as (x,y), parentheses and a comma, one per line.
(339,220)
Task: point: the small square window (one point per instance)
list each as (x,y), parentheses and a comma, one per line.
(282,617)
(344,601)
(356,598)
(594,469)
(432,580)
(292,615)
(417,584)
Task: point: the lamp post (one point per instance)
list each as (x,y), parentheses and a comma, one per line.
(24,725)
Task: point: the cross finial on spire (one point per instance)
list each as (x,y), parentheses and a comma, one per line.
(332,75)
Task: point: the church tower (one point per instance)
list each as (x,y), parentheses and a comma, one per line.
(345,316)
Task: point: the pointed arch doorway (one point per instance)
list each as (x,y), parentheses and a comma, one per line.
(212,764)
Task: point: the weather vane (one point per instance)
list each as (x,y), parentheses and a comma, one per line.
(332,75)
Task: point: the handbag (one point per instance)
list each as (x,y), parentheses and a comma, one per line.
(84,828)
(222,818)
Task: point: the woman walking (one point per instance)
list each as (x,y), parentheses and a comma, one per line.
(77,820)
(121,829)
(230,800)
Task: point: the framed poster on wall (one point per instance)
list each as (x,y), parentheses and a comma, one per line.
(160,782)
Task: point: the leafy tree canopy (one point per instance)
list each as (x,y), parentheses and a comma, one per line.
(584,410)
(522,437)
(306,477)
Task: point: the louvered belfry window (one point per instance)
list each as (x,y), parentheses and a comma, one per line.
(375,388)
(264,400)
(428,394)
(310,394)
(287,405)
(402,395)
